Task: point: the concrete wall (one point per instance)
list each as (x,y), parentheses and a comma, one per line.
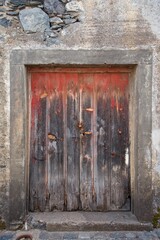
(105,24)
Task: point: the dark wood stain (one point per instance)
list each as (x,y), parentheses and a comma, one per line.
(103,141)
(86,158)
(119,142)
(79,157)
(73,142)
(38,157)
(55,151)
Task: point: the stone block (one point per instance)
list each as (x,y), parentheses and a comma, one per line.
(56,20)
(5,22)
(34,20)
(54,6)
(74,6)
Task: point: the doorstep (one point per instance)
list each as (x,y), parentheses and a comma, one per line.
(86,221)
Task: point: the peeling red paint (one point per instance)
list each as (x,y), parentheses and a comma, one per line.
(44,84)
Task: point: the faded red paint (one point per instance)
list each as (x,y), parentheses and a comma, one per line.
(44,84)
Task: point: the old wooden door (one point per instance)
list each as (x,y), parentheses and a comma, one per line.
(79,151)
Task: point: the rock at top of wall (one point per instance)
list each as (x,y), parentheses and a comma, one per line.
(74,6)
(1,2)
(34,20)
(18,2)
(47,16)
(54,6)
(5,22)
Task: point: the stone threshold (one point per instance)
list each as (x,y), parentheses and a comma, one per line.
(86,221)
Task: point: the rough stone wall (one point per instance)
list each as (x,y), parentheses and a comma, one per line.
(99,24)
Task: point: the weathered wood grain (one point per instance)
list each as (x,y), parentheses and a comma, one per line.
(118,141)
(73,142)
(38,155)
(79,141)
(86,160)
(55,144)
(103,141)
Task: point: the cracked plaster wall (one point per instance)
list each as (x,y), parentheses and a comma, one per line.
(106,24)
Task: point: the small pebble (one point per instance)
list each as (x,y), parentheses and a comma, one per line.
(12,13)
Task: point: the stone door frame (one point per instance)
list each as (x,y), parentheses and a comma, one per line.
(140,62)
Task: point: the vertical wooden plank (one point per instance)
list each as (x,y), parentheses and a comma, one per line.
(55,141)
(86,159)
(73,141)
(41,154)
(103,141)
(119,140)
(33,198)
(124,114)
(38,147)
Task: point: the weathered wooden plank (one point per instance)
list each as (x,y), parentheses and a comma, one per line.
(38,149)
(86,159)
(119,85)
(73,142)
(55,142)
(41,155)
(33,198)
(124,115)
(103,141)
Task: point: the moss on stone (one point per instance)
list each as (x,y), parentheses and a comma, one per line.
(2,224)
(156,219)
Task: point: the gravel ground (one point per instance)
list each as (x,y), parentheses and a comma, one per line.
(44,235)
